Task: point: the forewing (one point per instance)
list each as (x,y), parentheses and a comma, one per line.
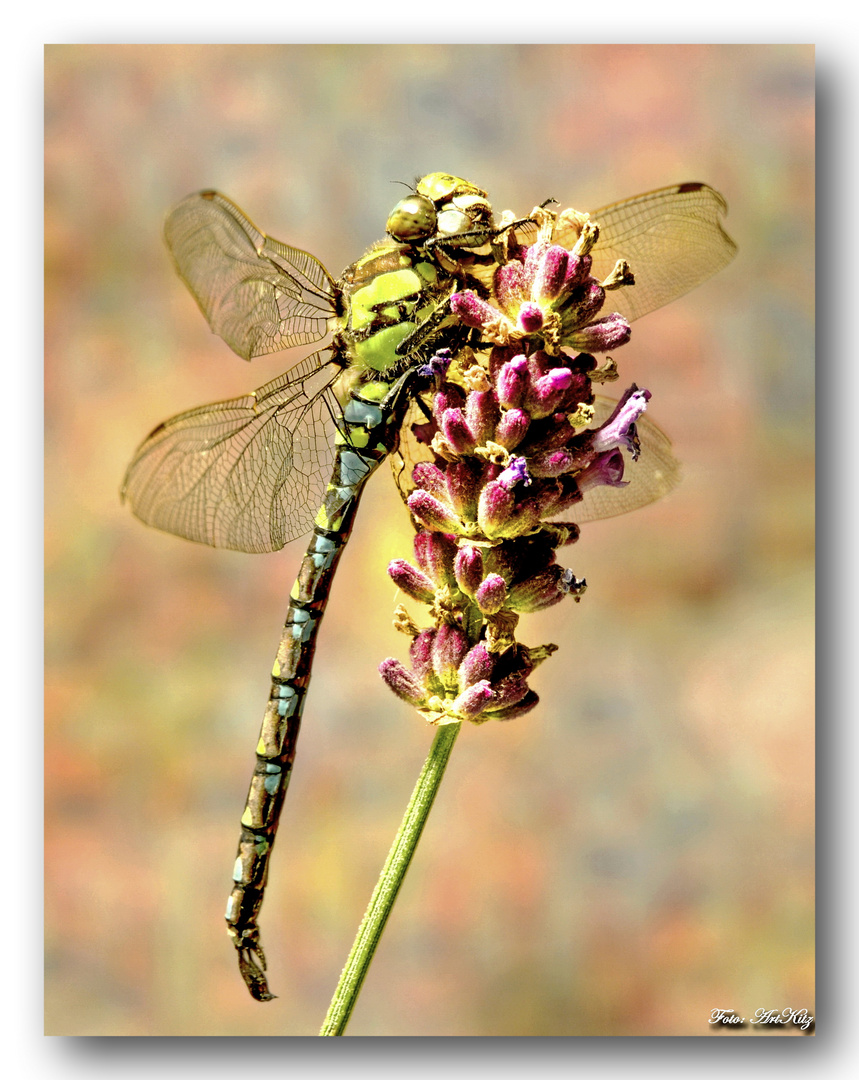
(672,239)
(247,474)
(257,294)
(653,475)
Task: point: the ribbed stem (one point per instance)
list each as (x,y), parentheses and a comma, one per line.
(390,880)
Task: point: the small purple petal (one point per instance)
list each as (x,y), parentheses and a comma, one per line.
(618,430)
(515,473)
(606,469)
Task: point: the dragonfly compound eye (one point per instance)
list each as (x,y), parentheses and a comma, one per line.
(452,222)
(413,218)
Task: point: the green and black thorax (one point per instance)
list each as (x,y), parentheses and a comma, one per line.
(441,238)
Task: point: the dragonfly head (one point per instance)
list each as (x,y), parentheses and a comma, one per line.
(441,206)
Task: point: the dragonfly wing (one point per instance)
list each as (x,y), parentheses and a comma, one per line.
(247,474)
(653,475)
(672,239)
(257,294)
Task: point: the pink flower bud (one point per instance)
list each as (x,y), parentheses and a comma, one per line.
(432,514)
(512,428)
(402,682)
(472,701)
(530,317)
(470,309)
(412,582)
(482,414)
(468,569)
(602,335)
(513,382)
(491,594)
(455,429)
(476,666)
(494,508)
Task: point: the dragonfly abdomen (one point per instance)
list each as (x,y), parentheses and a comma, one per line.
(365,440)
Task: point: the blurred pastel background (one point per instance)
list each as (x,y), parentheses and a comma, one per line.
(639,849)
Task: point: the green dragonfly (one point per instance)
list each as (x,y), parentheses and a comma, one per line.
(254,472)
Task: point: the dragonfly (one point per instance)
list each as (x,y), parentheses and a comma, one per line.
(255,472)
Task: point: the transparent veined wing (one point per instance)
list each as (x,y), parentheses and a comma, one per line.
(672,239)
(653,475)
(247,474)
(257,294)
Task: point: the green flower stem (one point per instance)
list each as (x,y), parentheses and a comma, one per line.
(390,880)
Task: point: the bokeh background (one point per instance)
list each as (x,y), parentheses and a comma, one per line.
(635,852)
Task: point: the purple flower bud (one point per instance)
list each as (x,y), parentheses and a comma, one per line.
(449,650)
(429,477)
(473,311)
(551,273)
(547,391)
(463,482)
(482,414)
(420,653)
(507,692)
(491,594)
(468,569)
(402,682)
(510,287)
(476,666)
(540,590)
(435,552)
(412,582)
(606,468)
(586,302)
(602,335)
(473,701)
(432,514)
(457,432)
(493,509)
(578,271)
(450,396)
(512,382)
(511,712)
(530,317)
(512,428)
